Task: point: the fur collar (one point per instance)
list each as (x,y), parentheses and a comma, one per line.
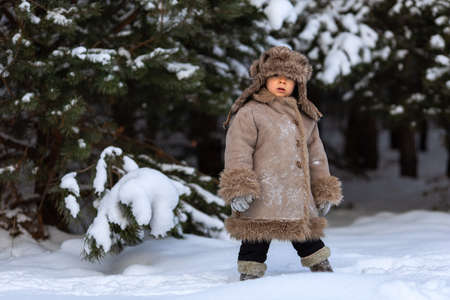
(264,96)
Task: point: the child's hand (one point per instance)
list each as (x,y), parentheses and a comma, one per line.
(241,203)
(324,208)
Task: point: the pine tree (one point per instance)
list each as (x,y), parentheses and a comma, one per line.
(337,40)
(408,80)
(79,76)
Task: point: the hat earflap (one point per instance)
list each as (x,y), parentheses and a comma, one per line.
(306,105)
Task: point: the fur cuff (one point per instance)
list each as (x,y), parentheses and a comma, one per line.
(252,268)
(238,182)
(327,189)
(317,257)
(265,230)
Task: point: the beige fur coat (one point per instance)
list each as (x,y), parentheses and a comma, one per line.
(274,152)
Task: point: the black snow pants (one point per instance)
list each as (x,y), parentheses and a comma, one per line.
(257,251)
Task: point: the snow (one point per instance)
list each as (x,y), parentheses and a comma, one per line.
(3,71)
(147,4)
(441,20)
(35,19)
(443,60)
(208,196)
(100,175)
(202,218)
(95,55)
(27,97)
(129,164)
(350,23)
(81,143)
(57,17)
(15,38)
(437,42)
(335,63)
(183,70)
(397,110)
(218,51)
(9,169)
(139,61)
(72,205)
(16,213)
(205,178)
(184,169)
(239,68)
(25,6)
(311,30)
(416,98)
(385,256)
(151,196)
(342,50)
(435,73)
(278,11)
(69,183)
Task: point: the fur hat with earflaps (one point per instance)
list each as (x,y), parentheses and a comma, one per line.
(282,61)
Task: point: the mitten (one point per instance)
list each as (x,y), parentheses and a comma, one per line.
(324,208)
(241,203)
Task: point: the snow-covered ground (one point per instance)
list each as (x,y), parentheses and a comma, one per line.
(380,255)
(385,256)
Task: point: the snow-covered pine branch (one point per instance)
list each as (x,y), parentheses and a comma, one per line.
(334,35)
(144,199)
(70,184)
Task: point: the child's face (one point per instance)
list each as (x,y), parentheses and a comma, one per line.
(280,85)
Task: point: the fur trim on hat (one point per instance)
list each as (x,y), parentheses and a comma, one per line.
(238,182)
(317,257)
(252,268)
(265,230)
(282,61)
(327,189)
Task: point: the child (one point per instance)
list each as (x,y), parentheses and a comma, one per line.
(276,176)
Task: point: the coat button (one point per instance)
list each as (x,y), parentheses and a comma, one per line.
(298,143)
(296,122)
(299,164)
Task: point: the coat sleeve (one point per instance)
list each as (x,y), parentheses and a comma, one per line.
(324,187)
(238,177)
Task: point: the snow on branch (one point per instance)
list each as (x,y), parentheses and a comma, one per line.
(151,198)
(101,169)
(182,70)
(69,183)
(340,36)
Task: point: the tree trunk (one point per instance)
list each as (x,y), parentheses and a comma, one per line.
(407,148)
(47,212)
(447,144)
(123,115)
(423,135)
(204,131)
(394,138)
(361,147)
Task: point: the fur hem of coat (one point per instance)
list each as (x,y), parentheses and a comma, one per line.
(265,230)
(252,268)
(317,257)
(327,189)
(238,182)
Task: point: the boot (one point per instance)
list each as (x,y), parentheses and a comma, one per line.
(251,269)
(318,261)
(323,266)
(247,276)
